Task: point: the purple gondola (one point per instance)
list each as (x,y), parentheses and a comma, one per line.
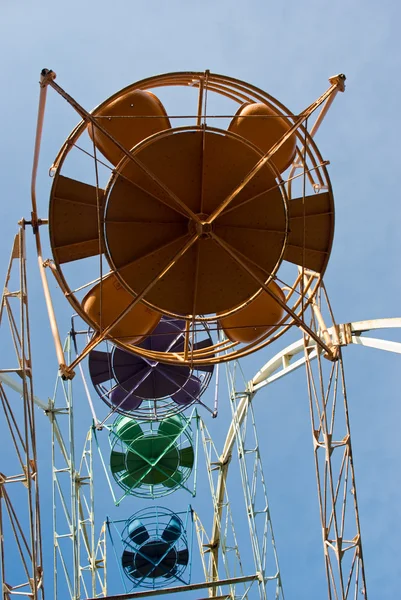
(125,380)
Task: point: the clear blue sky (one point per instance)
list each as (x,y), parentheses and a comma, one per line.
(289,50)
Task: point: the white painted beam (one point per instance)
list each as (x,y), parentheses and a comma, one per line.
(17,387)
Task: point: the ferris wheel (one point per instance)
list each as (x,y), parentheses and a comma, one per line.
(191,219)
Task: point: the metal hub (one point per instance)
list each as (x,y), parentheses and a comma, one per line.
(201,227)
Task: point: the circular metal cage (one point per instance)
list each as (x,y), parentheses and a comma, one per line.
(150,459)
(155,548)
(194,196)
(133,385)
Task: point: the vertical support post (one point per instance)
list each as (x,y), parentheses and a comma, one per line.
(45,78)
(243,430)
(223,540)
(334,472)
(77,554)
(20,528)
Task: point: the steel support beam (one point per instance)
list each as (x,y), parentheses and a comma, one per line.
(184,588)
(20,527)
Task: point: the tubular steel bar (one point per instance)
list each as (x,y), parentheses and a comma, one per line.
(336,82)
(101,336)
(91,119)
(293,356)
(45,79)
(18,387)
(223,540)
(324,110)
(301,323)
(202,539)
(183,588)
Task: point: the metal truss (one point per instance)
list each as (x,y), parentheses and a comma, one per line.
(78,555)
(335,475)
(246,579)
(203,543)
(331,438)
(294,356)
(20,531)
(80,558)
(243,431)
(335,478)
(222,546)
(332,443)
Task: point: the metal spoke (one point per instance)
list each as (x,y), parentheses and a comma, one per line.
(99,337)
(283,305)
(336,84)
(91,119)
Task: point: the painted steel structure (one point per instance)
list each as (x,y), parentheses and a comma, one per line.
(21,559)
(74,533)
(299,221)
(331,437)
(79,550)
(79,553)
